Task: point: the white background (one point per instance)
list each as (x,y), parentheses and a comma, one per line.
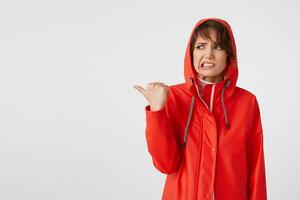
(72,126)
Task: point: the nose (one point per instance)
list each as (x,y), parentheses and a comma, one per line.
(209,52)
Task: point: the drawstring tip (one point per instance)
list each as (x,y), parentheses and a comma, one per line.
(184,144)
(227,125)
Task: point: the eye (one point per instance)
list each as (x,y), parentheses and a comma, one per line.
(219,47)
(201,46)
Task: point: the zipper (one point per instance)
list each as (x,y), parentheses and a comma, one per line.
(210,109)
(211,104)
(211,97)
(201,97)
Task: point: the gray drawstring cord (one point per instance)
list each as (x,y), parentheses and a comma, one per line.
(189,120)
(223,104)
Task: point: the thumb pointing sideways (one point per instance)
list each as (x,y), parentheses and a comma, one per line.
(140,89)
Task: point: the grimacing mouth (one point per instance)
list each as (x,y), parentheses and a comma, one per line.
(201,65)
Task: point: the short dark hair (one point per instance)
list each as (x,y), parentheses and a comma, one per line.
(223,38)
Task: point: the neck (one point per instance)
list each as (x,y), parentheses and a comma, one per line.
(211,79)
(205,81)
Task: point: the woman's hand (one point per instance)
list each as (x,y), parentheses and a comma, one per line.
(156,94)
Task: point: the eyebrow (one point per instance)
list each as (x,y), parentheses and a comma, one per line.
(206,43)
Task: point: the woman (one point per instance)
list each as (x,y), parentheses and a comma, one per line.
(206,133)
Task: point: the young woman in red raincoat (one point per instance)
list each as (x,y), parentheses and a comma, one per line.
(206,133)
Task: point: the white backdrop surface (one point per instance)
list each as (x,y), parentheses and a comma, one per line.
(72,126)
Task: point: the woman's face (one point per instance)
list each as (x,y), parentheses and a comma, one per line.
(209,59)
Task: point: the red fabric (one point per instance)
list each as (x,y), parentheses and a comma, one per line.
(228,162)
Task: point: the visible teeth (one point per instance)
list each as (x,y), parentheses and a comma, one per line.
(207,65)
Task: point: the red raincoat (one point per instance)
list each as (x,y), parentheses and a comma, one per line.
(209,146)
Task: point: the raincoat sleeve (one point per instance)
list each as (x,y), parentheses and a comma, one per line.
(161,136)
(257,189)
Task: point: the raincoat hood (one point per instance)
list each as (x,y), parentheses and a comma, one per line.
(231,73)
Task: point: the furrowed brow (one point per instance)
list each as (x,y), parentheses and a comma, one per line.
(206,43)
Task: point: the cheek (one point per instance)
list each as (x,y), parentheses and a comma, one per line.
(196,58)
(222,59)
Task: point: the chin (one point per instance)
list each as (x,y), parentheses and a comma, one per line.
(207,73)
